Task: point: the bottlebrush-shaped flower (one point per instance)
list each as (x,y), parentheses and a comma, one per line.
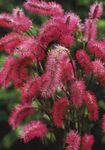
(35,129)
(97,48)
(73,140)
(77,90)
(6,71)
(58,111)
(52,78)
(84,61)
(9,42)
(96,11)
(14,70)
(99,71)
(67,71)
(6,20)
(92,105)
(72,20)
(29,47)
(87,142)
(20,72)
(44,8)
(21,22)
(31,89)
(55,30)
(103,123)
(19,113)
(16,21)
(90,30)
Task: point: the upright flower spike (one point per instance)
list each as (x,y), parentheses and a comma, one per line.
(99,71)
(19,113)
(72,20)
(31,89)
(56,30)
(35,129)
(58,111)
(6,71)
(16,21)
(21,23)
(90,30)
(73,140)
(6,20)
(30,47)
(92,105)
(96,11)
(9,42)
(103,123)
(84,61)
(52,78)
(43,8)
(87,142)
(77,90)
(97,48)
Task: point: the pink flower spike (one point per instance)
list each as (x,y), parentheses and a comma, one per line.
(96,10)
(73,140)
(99,71)
(35,129)
(6,20)
(58,111)
(92,105)
(87,142)
(9,42)
(97,48)
(31,89)
(103,123)
(84,61)
(44,8)
(21,22)
(77,91)
(52,78)
(19,113)
(90,30)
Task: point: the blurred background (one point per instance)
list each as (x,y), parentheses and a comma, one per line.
(10,97)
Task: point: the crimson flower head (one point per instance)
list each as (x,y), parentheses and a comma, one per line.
(96,10)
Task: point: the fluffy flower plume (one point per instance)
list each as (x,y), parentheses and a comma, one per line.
(6,20)
(90,30)
(99,71)
(58,111)
(84,61)
(103,123)
(72,20)
(73,140)
(15,70)
(52,79)
(92,105)
(16,21)
(87,142)
(5,73)
(56,30)
(29,47)
(96,11)
(35,129)
(19,113)
(31,89)
(9,42)
(77,91)
(44,8)
(97,48)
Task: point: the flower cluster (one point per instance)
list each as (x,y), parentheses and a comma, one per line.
(54,78)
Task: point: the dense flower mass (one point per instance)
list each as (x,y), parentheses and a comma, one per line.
(73,140)
(35,129)
(55,69)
